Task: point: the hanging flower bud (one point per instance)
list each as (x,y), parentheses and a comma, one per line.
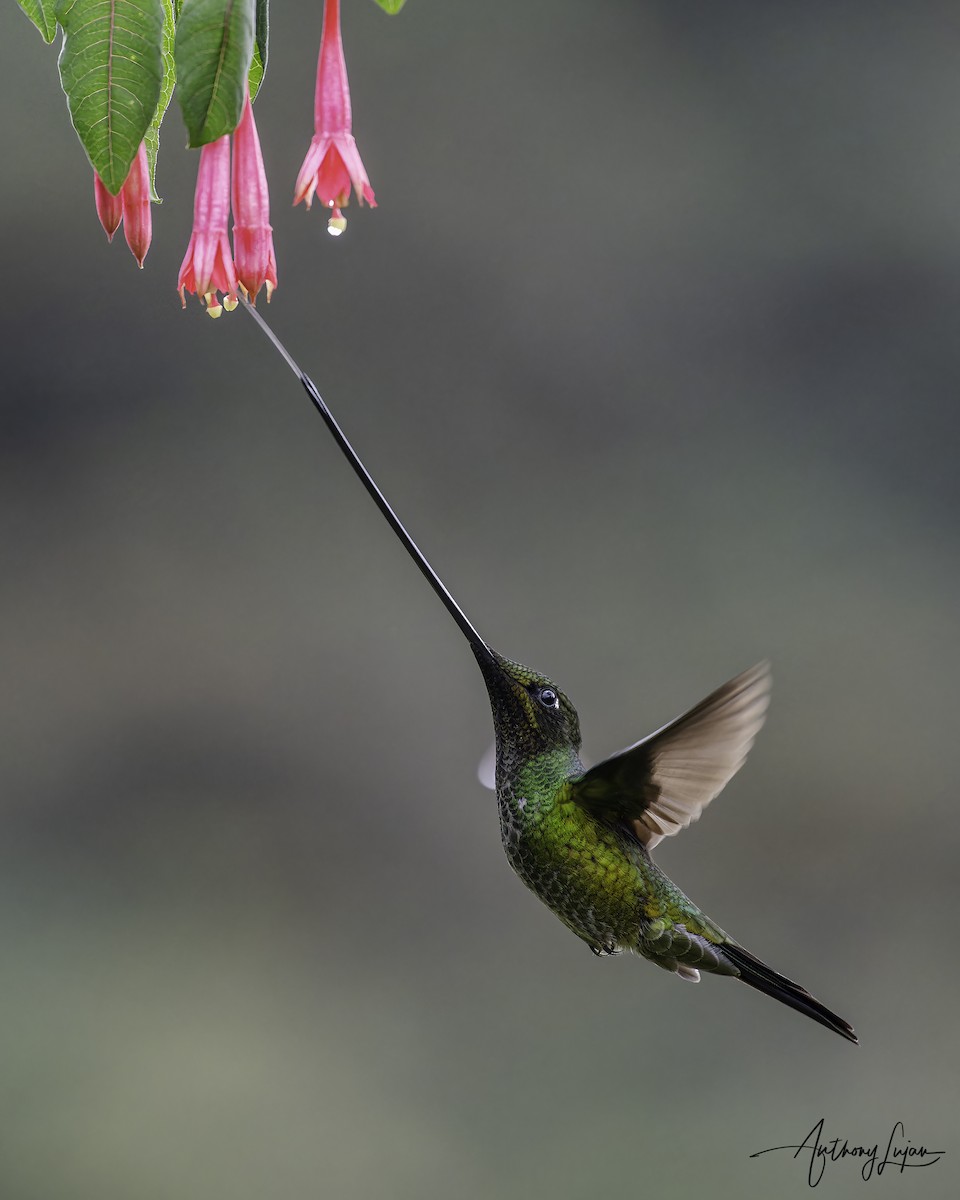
(130,205)
(135,197)
(332,163)
(109,207)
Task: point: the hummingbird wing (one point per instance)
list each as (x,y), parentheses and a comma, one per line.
(662,784)
(487,768)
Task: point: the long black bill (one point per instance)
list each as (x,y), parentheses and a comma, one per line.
(480,648)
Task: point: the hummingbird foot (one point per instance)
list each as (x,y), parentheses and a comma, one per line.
(605,949)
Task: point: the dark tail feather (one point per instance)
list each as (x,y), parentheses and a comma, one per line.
(758,975)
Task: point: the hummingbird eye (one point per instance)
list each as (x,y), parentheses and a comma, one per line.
(548,698)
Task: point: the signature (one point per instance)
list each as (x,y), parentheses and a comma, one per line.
(900,1153)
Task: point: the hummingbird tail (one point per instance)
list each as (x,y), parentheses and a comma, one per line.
(758,975)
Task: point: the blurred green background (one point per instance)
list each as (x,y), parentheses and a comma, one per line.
(653,343)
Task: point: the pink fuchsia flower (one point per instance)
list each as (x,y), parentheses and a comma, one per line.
(333,162)
(135,196)
(130,205)
(253,253)
(207,266)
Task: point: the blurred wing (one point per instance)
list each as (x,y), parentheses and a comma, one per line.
(487,768)
(662,784)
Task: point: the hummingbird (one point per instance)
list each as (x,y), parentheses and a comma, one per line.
(581,838)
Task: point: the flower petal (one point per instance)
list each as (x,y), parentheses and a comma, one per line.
(307,179)
(333,178)
(351,160)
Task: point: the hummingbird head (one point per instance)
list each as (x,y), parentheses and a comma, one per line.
(531,716)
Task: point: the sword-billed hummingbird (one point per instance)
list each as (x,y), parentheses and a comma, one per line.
(579,838)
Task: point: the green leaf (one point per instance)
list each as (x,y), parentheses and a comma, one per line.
(111,68)
(258,68)
(214,49)
(152,136)
(41,13)
(391,6)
